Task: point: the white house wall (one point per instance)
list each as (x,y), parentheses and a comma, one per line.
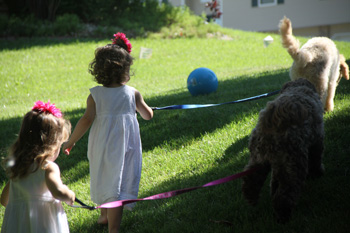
(240,14)
(309,17)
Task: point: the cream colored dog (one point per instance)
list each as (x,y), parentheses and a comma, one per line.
(318,61)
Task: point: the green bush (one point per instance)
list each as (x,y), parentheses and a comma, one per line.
(137,19)
(26,27)
(45,29)
(67,24)
(22,27)
(100,31)
(182,23)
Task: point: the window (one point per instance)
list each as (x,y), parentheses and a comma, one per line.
(263,3)
(267,3)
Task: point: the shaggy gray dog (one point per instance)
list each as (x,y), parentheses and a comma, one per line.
(288,139)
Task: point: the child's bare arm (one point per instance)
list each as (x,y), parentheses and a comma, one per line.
(55,185)
(5,194)
(145,111)
(83,124)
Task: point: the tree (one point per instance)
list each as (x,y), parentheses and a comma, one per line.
(44,9)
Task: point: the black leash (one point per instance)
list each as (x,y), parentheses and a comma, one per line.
(82,205)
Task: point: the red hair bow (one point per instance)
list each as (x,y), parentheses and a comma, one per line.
(122,36)
(47,107)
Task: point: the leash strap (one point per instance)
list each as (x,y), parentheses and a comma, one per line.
(192,106)
(169,194)
(164,195)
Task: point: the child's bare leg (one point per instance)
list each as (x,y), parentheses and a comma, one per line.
(114,219)
(103,217)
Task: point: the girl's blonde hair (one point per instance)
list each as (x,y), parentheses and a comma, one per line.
(40,136)
(111,64)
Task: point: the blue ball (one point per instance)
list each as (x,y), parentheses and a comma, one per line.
(202,81)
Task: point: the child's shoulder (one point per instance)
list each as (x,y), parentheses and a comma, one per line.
(130,88)
(50,166)
(96,88)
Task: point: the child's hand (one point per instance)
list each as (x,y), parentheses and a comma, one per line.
(66,148)
(66,151)
(71,198)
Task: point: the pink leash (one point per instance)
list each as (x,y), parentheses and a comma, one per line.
(169,194)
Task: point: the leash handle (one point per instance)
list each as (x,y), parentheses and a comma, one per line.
(82,205)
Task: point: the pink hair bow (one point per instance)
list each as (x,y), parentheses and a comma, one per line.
(47,107)
(122,36)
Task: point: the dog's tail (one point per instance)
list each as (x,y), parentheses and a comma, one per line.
(291,43)
(344,68)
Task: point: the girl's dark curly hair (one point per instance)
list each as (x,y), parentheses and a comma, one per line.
(111,64)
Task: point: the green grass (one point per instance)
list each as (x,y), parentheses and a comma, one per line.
(182,148)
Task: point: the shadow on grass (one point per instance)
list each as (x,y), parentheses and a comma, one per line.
(220,208)
(177,127)
(172,129)
(323,205)
(24,43)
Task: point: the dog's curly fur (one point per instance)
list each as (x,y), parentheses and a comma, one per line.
(318,61)
(288,139)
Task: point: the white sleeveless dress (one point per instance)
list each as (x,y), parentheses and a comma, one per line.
(114,148)
(32,208)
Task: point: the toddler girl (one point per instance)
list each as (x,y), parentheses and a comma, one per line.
(33,194)
(114,147)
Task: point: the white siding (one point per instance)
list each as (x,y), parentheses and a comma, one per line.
(309,17)
(240,14)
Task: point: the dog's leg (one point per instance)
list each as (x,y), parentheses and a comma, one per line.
(333,74)
(253,182)
(316,167)
(288,179)
(344,68)
(329,105)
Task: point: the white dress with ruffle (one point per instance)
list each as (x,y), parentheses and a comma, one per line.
(114,148)
(32,208)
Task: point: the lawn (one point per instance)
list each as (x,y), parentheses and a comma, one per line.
(181,148)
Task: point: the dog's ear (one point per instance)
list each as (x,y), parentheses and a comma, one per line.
(286,86)
(307,83)
(279,116)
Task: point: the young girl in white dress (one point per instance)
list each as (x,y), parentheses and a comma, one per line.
(34,193)
(114,147)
